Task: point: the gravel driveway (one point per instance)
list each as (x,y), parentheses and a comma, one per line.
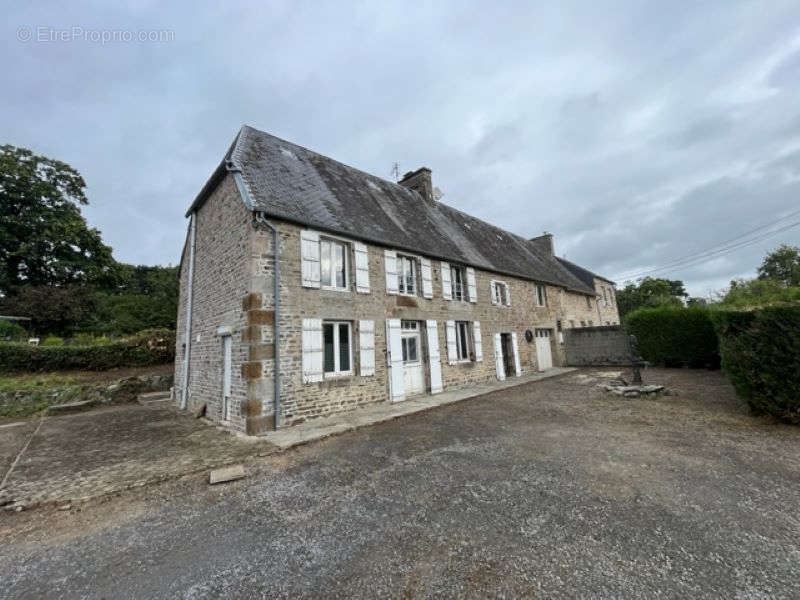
(552,489)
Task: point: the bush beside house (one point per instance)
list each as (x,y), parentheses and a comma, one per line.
(152,347)
(675,336)
(761,356)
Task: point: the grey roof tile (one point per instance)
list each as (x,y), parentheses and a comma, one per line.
(289,182)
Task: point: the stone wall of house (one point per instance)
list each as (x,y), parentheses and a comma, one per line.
(222,281)
(233,289)
(607,313)
(596,346)
(301,401)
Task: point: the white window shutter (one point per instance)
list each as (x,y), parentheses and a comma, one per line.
(433,356)
(427,278)
(452,353)
(472,289)
(476,340)
(447,288)
(309,258)
(312,350)
(517,368)
(394,356)
(508,294)
(366,342)
(500,368)
(390,263)
(362,267)
(493,291)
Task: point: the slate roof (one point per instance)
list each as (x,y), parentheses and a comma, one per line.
(292,183)
(585,275)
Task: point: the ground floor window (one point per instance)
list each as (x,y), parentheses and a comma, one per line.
(410,341)
(462,340)
(337,347)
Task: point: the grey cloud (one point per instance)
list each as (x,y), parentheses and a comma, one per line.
(634,136)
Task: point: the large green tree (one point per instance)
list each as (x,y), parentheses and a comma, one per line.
(650,292)
(44,239)
(782,265)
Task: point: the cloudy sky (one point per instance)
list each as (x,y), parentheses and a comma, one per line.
(638,133)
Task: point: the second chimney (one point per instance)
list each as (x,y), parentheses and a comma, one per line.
(420,181)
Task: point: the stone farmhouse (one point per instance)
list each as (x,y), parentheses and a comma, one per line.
(308,287)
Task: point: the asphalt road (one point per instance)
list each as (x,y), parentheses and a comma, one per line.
(553,489)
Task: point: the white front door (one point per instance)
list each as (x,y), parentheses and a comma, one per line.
(543,355)
(413,376)
(226,378)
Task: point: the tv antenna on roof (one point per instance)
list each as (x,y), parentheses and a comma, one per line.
(396,171)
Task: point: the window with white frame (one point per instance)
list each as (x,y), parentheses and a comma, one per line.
(407,275)
(500,293)
(462,340)
(410,343)
(541,295)
(457,277)
(337,347)
(588,302)
(333,264)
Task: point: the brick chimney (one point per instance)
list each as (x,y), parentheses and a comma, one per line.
(544,243)
(420,181)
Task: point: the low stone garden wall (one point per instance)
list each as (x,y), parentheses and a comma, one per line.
(597,346)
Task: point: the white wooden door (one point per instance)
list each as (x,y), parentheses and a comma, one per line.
(434,364)
(394,355)
(413,375)
(543,355)
(500,367)
(226,378)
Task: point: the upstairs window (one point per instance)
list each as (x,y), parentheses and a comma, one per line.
(605,297)
(500,293)
(407,275)
(541,295)
(333,264)
(457,282)
(337,348)
(588,302)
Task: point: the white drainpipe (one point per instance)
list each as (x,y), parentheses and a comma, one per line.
(189,297)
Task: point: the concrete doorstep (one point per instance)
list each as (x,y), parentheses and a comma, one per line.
(318,429)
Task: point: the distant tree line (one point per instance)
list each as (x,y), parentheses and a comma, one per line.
(56,269)
(778,280)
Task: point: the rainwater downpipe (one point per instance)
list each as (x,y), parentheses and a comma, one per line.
(262,220)
(189,295)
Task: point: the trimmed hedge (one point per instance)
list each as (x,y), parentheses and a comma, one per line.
(152,347)
(761,356)
(674,337)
